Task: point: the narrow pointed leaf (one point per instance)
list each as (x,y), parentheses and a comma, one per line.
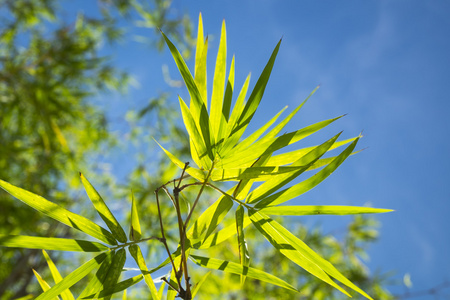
(302,210)
(304,162)
(103,210)
(65,295)
(257,173)
(231,267)
(297,251)
(244,256)
(135,251)
(220,236)
(219,83)
(48,243)
(135,230)
(44,285)
(161,290)
(199,284)
(74,277)
(194,172)
(308,184)
(246,157)
(115,270)
(292,156)
(96,282)
(197,107)
(194,134)
(200,61)
(223,207)
(59,213)
(227,99)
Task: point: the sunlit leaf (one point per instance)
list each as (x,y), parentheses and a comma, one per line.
(136,253)
(244,256)
(65,295)
(74,277)
(231,267)
(302,210)
(257,173)
(223,207)
(298,252)
(103,210)
(96,282)
(48,243)
(58,213)
(215,115)
(116,288)
(115,270)
(135,230)
(308,184)
(199,284)
(200,61)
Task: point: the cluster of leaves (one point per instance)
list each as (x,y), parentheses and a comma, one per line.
(221,155)
(51,67)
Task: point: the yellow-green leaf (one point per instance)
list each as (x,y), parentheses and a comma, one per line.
(136,253)
(244,256)
(58,213)
(65,295)
(48,243)
(302,210)
(135,230)
(103,210)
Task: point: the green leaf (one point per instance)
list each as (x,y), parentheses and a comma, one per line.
(256,96)
(58,213)
(320,210)
(231,267)
(303,162)
(135,251)
(298,252)
(96,282)
(308,184)
(103,210)
(220,236)
(257,173)
(200,61)
(199,284)
(44,285)
(74,277)
(292,156)
(244,256)
(115,270)
(264,147)
(65,295)
(48,243)
(194,172)
(194,134)
(197,106)
(219,84)
(135,230)
(224,205)
(228,98)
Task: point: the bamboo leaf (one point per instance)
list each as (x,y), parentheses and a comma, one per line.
(96,282)
(48,243)
(308,184)
(194,172)
(74,277)
(65,295)
(298,252)
(220,236)
(103,210)
(118,287)
(223,207)
(246,157)
(197,106)
(135,251)
(219,84)
(135,230)
(194,134)
(161,290)
(227,99)
(257,173)
(200,60)
(292,156)
(320,210)
(304,162)
(199,284)
(44,285)
(244,256)
(58,213)
(115,270)
(231,267)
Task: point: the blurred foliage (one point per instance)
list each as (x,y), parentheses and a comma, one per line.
(50,70)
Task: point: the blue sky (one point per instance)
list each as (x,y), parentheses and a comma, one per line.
(384,63)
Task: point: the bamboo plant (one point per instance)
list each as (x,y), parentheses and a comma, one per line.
(219,153)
